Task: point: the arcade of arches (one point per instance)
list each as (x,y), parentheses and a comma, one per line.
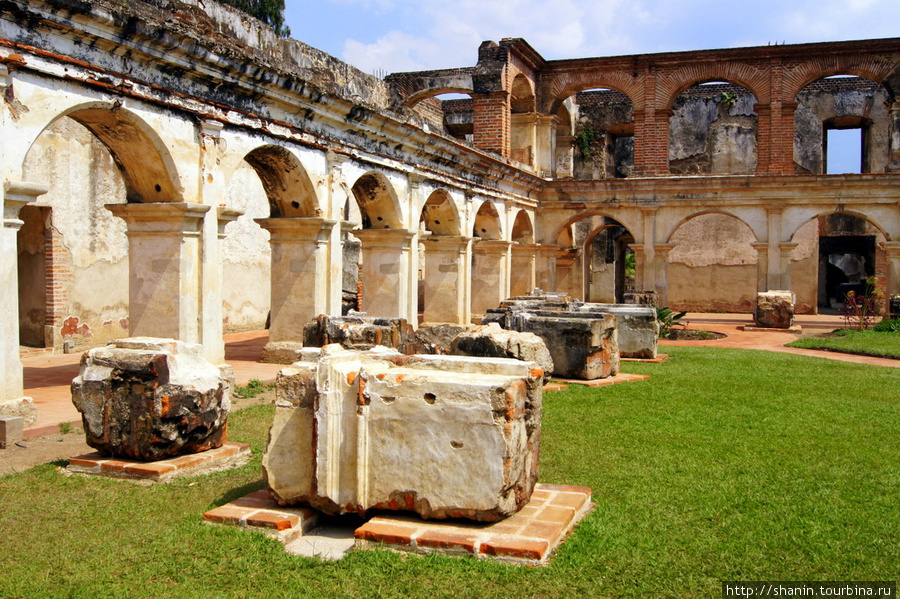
(269,182)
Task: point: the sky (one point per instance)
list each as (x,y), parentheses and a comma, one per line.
(385,36)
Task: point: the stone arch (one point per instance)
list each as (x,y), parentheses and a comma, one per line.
(439,214)
(285,180)
(712,263)
(668,235)
(606,249)
(843,101)
(522,230)
(487,222)
(433,92)
(147,168)
(522,98)
(377,201)
(564,237)
(713,130)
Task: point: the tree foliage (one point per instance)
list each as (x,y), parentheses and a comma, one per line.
(270,12)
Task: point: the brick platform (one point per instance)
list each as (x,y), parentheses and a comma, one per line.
(528,537)
(659,359)
(612,380)
(230,455)
(797,329)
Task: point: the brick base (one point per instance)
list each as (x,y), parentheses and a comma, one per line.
(528,537)
(230,455)
(612,380)
(659,359)
(792,329)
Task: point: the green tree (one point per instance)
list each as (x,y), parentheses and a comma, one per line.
(270,12)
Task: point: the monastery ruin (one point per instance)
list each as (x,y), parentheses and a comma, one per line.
(174,169)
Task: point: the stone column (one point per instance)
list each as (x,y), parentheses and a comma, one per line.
(385,273)
(545,145)
(164,295)
(299,273)
(338,193)
(892,255)
(569,278)
(784,254)
(894,157)
(522,277)
(642,268)
(774,270)
(662,273)
(545,269)
(12,393)
(447,259)
(762,266)
(490,274)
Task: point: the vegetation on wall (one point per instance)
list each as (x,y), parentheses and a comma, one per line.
(270,12)
(585,141)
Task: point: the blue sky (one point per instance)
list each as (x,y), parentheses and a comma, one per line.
(402,35)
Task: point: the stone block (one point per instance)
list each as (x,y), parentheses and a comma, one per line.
(22,407)
(11,430)
(641,298)
(638,327)
(149,399)
(490,341)
(583,346)
(442,436)
(281,352)
(438,339)
(360,332)
(774,309)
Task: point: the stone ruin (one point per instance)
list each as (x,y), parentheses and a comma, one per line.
(774,309)
(149,399)
(490,341)
(442,436)
(585,340)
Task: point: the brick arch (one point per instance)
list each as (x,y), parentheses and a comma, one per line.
(561,86)
(147,168)
(674,83)
(874,67)
(433,92)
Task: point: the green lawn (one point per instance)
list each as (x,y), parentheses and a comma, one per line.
(726,465)
(865,343)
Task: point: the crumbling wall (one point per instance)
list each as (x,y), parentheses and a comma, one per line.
(712,265)
(88,249)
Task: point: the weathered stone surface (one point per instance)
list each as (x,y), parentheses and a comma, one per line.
(443,436)
(774,309)
(490,341)
(146,398)
(20,408)
(641,298)
(583,346)
(638,327)
(439,338)
(360,333)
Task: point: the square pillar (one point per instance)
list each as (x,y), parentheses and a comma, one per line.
(545,268)
(490,275)
(785,250)
(300,266)
(522,277)
(762,266)
(385,274)
(569,275)
(164,256)
(12,394)
(662,273)
(447,259)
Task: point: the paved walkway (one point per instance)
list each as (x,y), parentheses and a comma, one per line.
(48,376)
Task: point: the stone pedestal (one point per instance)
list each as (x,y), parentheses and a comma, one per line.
(360,333)
(442,436)
(164,295)
(774,309)
(299,273)
(149,399)
(446,279)
(385,273)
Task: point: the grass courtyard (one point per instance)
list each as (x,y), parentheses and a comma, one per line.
(726,465)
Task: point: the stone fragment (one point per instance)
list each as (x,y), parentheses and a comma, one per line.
(11,429)
(641,298)
(637,324)
(438,338)
(148,399)
(442,436)
(22,407)
(490,341)
(774,309)
(360,332)
(582,346)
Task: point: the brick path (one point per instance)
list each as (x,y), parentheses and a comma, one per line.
(48,376)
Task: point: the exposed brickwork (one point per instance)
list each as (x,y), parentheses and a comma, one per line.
(229,455)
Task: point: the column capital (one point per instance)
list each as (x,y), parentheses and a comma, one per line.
(18,193)
(160,218)
(287,229)
(488,246)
